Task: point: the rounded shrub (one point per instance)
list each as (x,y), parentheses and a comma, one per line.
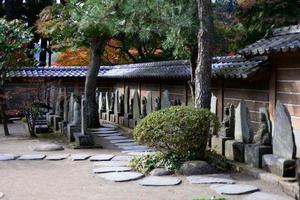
(179,130)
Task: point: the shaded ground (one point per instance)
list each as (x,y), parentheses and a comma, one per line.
(69,180)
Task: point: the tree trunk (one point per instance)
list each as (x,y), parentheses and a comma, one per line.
(9,10)
(43,53)
(203,69)
(4,119)
(97,49)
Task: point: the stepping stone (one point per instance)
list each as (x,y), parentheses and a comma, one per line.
(198,179)
(57,157)
(112,163)
(159,181)
(48,147)
(126,144)
(121,141)
(121,176)
(266,196)
(122,158)
(111,169)
(32,157)
(5,157)
(101,157)
(77,157)
(1,195)
(108,135)
(234,189)
(115,137)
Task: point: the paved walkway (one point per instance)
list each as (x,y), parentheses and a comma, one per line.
(103,173)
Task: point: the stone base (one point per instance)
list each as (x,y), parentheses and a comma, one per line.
(51,119)
(132,123)
(234,150)
(71,129)
(103,116)
(62,126)
(83,140)
(254,154)
(111,117)
(126,122)
(218,144)
(56,120)
(279,165)
(121,120)
(41,129)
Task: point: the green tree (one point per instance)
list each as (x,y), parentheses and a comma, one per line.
(260,17)
(91,23)
(14,36)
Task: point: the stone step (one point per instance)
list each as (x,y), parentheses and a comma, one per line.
(121,176)
(111,169)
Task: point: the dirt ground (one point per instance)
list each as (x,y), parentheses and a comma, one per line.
(74,180)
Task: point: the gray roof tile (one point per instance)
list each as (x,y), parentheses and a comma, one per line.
(282,40)
(224,67)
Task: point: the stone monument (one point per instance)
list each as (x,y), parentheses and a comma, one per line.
(115,115)
(149,103)
(75,125)
(165,100)
(243,134)
(127,110)
(226,131)
(100,104)
(282,161)
(121,109)
(59,108)
(144,107)
(82,138)
(213,104)
(136,110)
(107,103)
(157,105)
(262,141)
(64,122)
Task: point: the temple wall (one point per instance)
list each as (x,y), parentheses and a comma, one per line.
(288,88)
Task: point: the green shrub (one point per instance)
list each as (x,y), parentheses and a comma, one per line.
(179,130)
(146,163)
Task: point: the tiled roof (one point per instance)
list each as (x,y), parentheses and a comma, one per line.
(238,66)
(225,67)
(282,40)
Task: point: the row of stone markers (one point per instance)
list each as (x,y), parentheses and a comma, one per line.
(68,116)
(128,111)
(273,150)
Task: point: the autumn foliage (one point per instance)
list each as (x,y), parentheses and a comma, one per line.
(80,56)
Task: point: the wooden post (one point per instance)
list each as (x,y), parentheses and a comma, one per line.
(272,92)
(220,101)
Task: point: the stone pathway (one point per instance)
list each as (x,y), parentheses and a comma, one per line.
(115,167)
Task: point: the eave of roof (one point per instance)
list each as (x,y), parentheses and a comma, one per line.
(237,67)
(283,39)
